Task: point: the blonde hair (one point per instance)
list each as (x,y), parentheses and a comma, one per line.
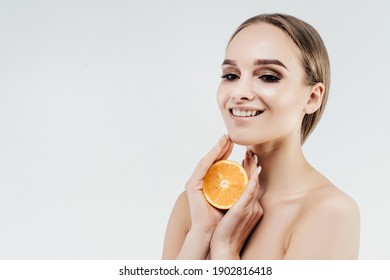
(315,58)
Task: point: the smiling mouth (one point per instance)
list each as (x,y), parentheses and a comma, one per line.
(245,113)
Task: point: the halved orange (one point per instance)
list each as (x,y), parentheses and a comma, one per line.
(224,183)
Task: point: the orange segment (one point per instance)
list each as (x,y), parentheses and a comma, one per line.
(224,183)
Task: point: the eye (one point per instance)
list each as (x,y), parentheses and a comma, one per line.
(270,78)
(230,77)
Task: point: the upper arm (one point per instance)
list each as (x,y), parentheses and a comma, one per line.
(330,230)
(177,228)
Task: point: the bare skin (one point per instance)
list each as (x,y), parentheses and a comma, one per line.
(289,210)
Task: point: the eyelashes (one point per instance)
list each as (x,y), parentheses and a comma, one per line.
(230,77)
(268,78)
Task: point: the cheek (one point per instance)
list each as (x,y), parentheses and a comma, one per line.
(222,98)
(287,105)
(290,112)
(288,99)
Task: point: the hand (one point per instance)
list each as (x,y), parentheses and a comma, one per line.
(234,228)
(204,217)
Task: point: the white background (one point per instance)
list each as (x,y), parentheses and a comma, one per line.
(107,106)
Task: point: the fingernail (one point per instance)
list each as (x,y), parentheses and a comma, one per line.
(256,159)
(258,170)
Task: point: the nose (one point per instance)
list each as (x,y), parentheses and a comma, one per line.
(242,92)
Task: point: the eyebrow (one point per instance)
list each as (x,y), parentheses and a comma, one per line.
(256,62)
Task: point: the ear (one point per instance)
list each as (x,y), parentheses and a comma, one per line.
(315,98)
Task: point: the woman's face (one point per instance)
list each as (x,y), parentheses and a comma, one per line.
(262,94)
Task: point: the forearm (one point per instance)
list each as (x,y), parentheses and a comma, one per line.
(196,246)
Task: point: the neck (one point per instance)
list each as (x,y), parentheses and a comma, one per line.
(283,165)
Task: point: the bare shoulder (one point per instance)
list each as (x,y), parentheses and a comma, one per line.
(329,204)
(182,202)
(181,212)
(177,228)
(331,200)
(328,227)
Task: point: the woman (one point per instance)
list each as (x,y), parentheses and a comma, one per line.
(274,87)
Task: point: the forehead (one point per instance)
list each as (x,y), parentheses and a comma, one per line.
(263,41)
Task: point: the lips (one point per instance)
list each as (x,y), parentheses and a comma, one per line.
(245,113)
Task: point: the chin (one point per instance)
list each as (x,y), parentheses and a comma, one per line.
(243,140)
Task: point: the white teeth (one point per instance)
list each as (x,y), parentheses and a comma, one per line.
(239,113)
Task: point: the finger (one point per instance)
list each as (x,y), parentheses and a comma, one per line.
(250,152)
(246,164)
(204,164)
(255,171)
(224,149)
(259,190)
(228,150)
(252,190)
